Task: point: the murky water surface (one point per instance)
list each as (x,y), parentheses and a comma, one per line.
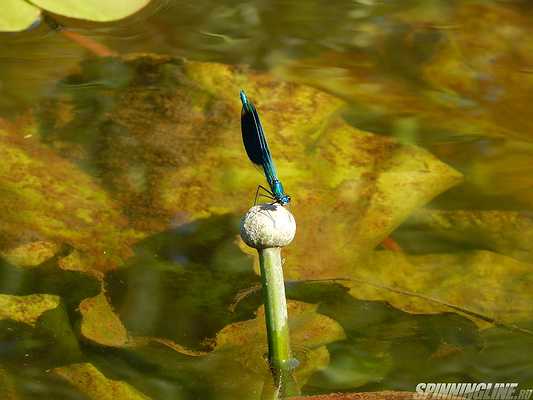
(401,129)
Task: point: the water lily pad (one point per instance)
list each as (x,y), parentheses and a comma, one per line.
(17,15)
(92,10)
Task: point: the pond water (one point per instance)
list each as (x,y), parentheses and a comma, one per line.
(402,131)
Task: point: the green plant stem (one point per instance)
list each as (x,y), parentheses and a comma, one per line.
(279,351)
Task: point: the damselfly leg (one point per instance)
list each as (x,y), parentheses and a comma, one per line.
(257,194)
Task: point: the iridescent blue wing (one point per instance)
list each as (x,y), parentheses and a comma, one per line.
(254,140)
(250,135)
(268,163)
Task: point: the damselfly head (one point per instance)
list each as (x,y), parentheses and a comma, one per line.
(279,193)
(244,99)
(284,200)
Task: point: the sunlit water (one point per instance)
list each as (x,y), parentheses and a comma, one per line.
(142,165)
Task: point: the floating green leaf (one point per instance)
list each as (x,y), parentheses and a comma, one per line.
(92,10)
(17,15)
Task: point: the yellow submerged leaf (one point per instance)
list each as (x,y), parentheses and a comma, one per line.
(30,254)
(310,332)
(26,309)
(100,324)
(90,381)
(350,188)
(480,282)
(506,232)
(47,198)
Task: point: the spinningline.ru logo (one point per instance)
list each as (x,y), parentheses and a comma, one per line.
(474,391)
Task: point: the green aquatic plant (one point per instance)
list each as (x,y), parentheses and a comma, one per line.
(267,228)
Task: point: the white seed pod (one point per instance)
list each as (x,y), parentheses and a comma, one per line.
(268,225)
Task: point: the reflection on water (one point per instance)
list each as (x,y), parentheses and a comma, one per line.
(122,181)
(191,275)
